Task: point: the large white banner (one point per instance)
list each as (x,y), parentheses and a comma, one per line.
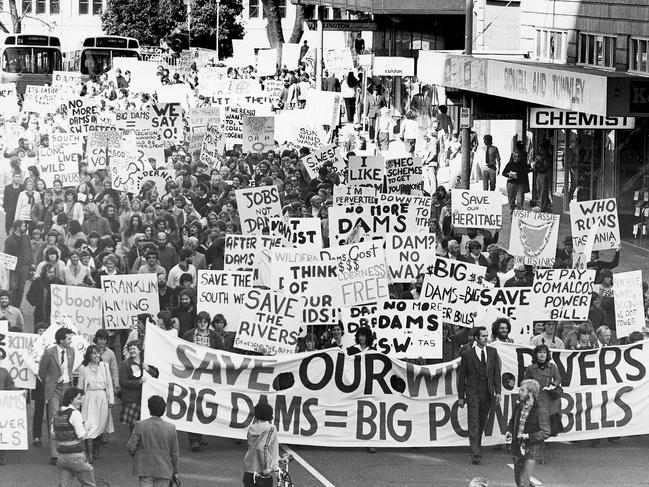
(13,424)
(381,401)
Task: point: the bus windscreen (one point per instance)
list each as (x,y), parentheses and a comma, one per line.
(30,60)
(98,61)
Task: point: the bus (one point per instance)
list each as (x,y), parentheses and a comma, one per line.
(95,55)
(29,59)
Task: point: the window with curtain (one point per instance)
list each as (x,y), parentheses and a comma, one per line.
(84,7)
(41,6)
(55,7)
(97,6)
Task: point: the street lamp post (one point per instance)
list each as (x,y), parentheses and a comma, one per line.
(466,100)
(218,25)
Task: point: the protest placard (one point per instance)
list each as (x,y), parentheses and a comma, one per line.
(82,115)
(8,100)
(211,143)
(133,119)
(143,73)
(12,349)
(408,254)
(347,413)
(338,61)
(68,83)
(97,146)
(404,175)
(585,214)
(392,214)
(311,279)
(125,163)
(267,62)
(257,206)
(81,305)
(454,287)
(221,292)
(56,164)
(629,303)
(243,252)
(473,208)
(32,356)
(258,134)
(41,99)
(168,121)
(561,294)
(210,85)
(273,89)
(178,93)
(310,136)
(407,329)
(8,261)
(328,154)
(303,233)
(362,273)
(70,143)
(354,195)
(244,52)
(533,238)
(355,317)
(269,322)
(13,425)
(233,124)
(126,296)
(323,107)
(291,55)
(156,179)
(282,257)
(512,303)
(202,117)
(366,171)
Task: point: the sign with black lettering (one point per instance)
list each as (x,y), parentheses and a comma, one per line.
(553,118)
(561,294)
(586,214)
(366,171)
(257,207)
(474,208)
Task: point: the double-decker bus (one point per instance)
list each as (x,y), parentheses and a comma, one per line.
(29,59)
(95,55)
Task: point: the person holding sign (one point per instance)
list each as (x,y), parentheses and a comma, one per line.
(478,386)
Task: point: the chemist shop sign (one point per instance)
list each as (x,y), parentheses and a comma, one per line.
(553,118)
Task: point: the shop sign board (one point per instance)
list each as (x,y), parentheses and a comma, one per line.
(393,66)
(553,118)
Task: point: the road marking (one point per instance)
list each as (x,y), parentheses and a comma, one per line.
(321,478)
(534,482)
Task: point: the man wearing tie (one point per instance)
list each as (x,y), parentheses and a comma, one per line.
(479,386)
(55,372)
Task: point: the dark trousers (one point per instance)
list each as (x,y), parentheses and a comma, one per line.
(478,407)
(39,408)
(489,179)
(350,109)
(523,471)
(250,480)
(543,190)
(17,280)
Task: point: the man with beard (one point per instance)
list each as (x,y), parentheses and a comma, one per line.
(19,245)
(185,313)
(166,252)
(500,331)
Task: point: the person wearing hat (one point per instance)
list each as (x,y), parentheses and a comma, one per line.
(154,447)
(565,254)
(262,457)
(521,277)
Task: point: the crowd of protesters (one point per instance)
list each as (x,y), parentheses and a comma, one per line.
(76,235)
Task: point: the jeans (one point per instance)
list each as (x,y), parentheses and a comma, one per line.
(515,196)
(543,190)
(488,179)
(17,280)
(523,471)
(154,482)
(250,480)
(53,405)
(478,407)
(74,465)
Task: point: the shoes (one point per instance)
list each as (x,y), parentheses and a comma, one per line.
(542,462)
(195,446)
(52,460)
(36,442)
(475,460)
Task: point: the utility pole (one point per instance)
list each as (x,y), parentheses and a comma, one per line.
(466,99)
(218,26)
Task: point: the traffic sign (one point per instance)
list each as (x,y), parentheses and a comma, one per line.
(343,25)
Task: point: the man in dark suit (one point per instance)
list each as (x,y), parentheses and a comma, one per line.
(330,83)
(479,386)
(154,447)
(55,371)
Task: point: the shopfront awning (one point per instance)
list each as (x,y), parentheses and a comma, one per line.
(562,86)
(408,7)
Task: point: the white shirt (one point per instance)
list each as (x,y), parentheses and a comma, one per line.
(173,280)
(478,352)
(65,373)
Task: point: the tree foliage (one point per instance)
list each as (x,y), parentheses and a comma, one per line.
(151,21)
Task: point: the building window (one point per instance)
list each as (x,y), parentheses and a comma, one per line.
(27,6)
(41,6)
(253,9)
(551,45)
(638,55)
(596,50)
(55,7)
(97,6)
(84,7)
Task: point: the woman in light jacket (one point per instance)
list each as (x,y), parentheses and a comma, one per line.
(262,457)
(27,199)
